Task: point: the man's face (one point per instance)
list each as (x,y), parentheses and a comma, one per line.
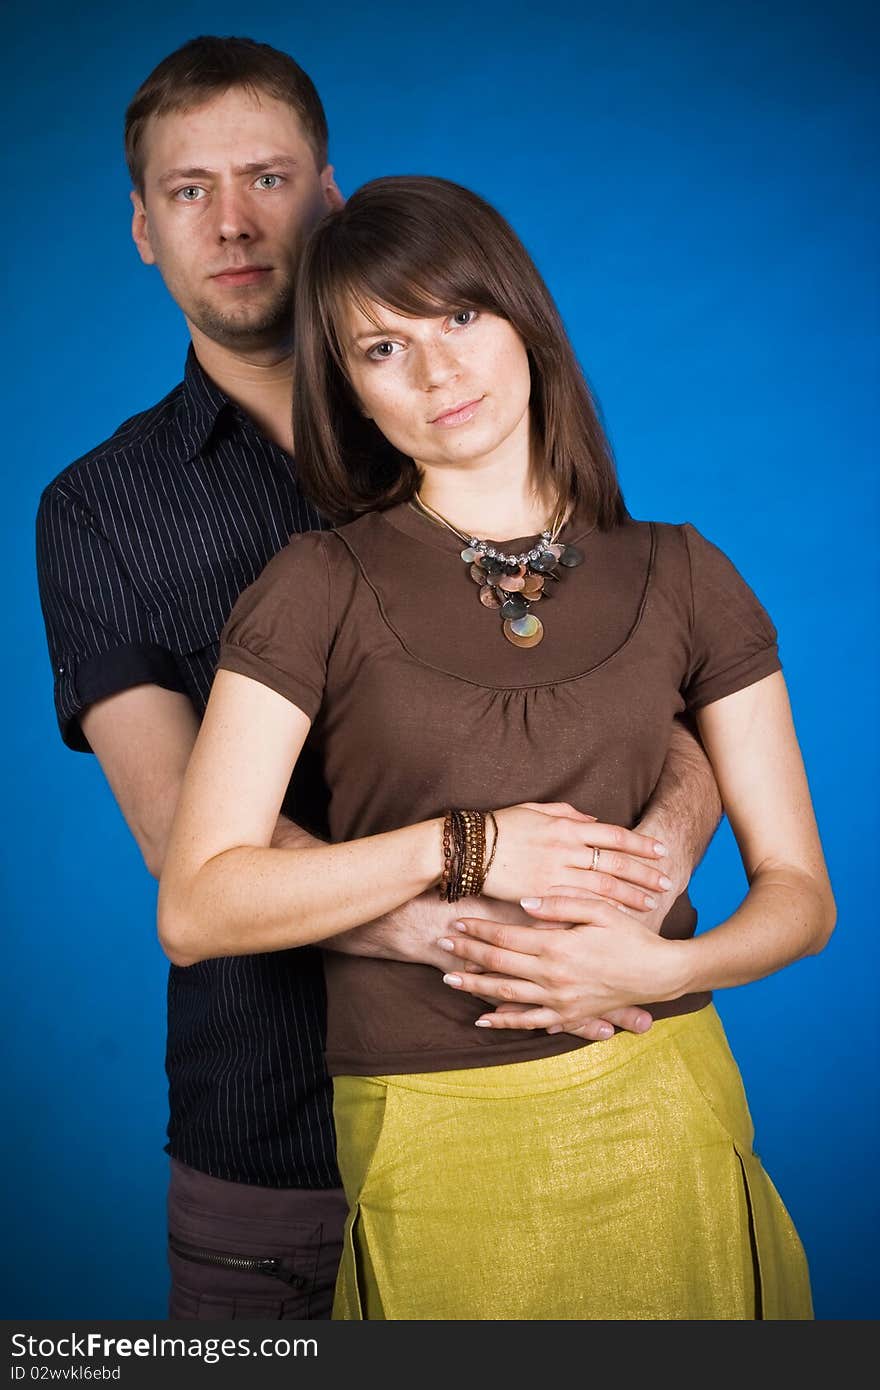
(231,191)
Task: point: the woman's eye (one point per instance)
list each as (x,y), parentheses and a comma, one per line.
(379,352)
(269,181)
(462,317)
(191,194)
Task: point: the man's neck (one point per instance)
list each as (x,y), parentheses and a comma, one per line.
(260,381)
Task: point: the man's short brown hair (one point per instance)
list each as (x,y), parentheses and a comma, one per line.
(208,66)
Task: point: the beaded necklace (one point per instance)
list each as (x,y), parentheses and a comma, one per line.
(512,584)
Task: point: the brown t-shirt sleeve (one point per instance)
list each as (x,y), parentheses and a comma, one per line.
(733,641)
(278,633)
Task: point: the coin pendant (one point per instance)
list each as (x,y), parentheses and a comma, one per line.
(571,556)
(524,632)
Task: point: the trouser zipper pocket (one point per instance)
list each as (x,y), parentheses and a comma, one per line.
(242,1264)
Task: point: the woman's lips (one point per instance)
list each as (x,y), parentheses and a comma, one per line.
(458,415)
(247,275)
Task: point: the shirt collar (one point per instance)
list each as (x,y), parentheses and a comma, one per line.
(202,404)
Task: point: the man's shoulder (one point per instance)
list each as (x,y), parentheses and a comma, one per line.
(153,434)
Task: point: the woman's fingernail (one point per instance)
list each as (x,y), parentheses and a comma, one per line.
(659,849)
(530,903)
(665,882)
(445,944)
(462,927)
(557,1028)
(649,902)
(482,1023)
(452,979)
(605,1031)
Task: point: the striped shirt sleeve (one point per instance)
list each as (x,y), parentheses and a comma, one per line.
(98,630)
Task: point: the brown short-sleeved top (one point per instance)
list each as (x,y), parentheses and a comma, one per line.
(418,703)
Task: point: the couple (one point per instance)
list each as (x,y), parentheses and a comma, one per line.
(465,708)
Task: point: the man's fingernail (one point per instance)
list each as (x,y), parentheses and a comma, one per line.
(445,944)
(530,903)
(659,849)
(665,882)
(452,979)
(649,902)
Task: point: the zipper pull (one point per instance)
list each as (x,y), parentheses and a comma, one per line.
(275,1270)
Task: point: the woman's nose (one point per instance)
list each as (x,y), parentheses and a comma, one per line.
(437,366)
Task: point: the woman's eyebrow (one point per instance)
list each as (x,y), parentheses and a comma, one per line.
(379,331)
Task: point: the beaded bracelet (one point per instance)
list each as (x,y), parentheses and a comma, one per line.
(464,854)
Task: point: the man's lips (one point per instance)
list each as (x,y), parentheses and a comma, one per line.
(458,414)
(242,275)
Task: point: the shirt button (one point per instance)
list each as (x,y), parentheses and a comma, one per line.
(61,670)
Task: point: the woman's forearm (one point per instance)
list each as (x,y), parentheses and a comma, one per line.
(786,914)
(248,900)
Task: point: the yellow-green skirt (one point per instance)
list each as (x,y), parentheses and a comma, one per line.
(614,1182)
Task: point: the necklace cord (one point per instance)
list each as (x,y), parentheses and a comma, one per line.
(554,526)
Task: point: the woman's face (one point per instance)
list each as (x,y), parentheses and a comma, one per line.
(447,390)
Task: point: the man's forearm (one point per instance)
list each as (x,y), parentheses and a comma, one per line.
(685,807)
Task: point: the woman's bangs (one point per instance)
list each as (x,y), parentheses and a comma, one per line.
(424,290)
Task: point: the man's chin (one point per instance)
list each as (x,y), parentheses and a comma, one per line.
(245,331)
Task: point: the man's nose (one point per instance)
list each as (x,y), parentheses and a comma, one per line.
(234,220)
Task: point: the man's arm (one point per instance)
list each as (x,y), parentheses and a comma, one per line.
(142,737)
(683,813)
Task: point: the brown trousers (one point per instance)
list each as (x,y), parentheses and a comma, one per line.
(238,1251)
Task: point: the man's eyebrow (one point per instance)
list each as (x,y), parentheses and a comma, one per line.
(257,166)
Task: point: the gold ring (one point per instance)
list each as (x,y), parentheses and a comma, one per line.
(595,864)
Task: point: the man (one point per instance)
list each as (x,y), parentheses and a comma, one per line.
(143,546)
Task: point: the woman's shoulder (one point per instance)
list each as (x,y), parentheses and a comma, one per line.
(306,555)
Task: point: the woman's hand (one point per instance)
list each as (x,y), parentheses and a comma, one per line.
(550,849)
(566,975)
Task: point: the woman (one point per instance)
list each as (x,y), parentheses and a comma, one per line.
(442,673)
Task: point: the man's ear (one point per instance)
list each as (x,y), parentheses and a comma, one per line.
(332,196)
(140,231)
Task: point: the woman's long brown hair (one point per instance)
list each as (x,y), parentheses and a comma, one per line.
(424,246)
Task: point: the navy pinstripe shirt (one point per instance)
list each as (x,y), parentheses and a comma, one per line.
(143,546)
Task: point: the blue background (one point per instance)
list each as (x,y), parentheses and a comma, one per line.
(696,183)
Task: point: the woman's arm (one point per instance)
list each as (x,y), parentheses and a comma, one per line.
(225,891)
(788,911)
(222,885)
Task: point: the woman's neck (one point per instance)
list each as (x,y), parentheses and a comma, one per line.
(488,499)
